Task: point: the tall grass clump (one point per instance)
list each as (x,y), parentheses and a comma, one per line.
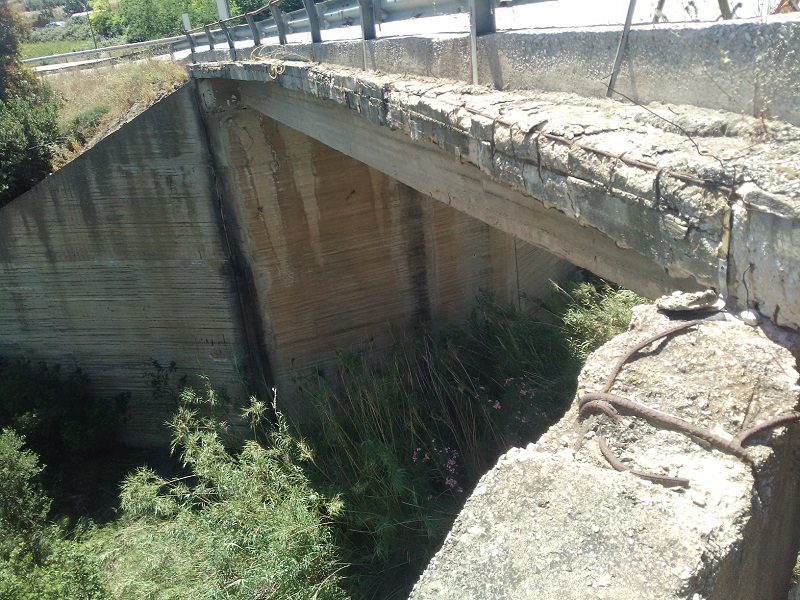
(242,525)
(403,440)
(596,312)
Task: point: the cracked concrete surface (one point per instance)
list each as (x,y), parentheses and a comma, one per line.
(668,182)
(554,521)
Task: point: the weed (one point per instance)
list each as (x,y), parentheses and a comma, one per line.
(243,525)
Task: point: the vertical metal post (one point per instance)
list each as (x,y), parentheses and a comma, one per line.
(191,46)
(223,9)
(227,33)
(481,22)
(210,37)
(313,20)
(367,19)
(277,14)
(623,45)
(186,28)
(253,29)
(659,14)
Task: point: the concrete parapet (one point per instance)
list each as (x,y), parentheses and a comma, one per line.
(555,521)
(749,67)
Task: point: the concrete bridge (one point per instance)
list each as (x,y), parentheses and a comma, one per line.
(276,209)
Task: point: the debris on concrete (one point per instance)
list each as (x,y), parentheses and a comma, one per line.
(689,301)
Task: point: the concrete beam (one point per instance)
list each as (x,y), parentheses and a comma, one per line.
(583,178)
(462,186)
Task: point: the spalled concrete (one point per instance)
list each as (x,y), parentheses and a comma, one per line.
(645,196)
(555,521)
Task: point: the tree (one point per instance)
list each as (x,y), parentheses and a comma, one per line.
(105,20)
(151,19)
(28,111)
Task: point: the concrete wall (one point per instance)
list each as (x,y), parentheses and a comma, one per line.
(117,259)
(342,254)
(744,66)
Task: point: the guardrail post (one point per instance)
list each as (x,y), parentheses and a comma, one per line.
(621,49)
(367,19)
(253,29)
(313,20)
(277,14)
(187,26)
(210,37)
(228,36)
(481,22)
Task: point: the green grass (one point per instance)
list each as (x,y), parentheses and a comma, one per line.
(35,49)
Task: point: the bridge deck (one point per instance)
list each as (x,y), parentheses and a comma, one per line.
(670,183)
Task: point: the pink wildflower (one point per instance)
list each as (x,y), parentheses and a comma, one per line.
(497,405)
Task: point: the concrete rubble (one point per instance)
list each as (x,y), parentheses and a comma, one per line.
(554,521)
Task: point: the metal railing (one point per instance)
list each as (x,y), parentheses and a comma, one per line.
(330,14)
(313,19)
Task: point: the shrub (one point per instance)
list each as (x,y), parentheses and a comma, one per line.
(67,573)
(245,525)
(23,504)
(75,28)
(35,561)
(106,21)
(27,115)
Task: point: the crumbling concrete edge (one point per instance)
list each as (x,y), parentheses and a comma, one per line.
(690,199)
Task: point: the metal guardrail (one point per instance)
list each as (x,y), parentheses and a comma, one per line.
(313,19)
(332,14)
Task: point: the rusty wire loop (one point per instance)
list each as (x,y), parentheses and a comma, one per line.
(612,405)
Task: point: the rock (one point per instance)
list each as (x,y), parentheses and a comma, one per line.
(689,301)
(555,523)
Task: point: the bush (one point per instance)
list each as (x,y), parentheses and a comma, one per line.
(27,116)
(106,21)
(35,561)
(245,525)
(75,28)
(23,504)
(67,573)
(28,133)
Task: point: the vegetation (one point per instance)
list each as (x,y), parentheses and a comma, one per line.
(403,441)
(96,100)
(27,115)
(353,505)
